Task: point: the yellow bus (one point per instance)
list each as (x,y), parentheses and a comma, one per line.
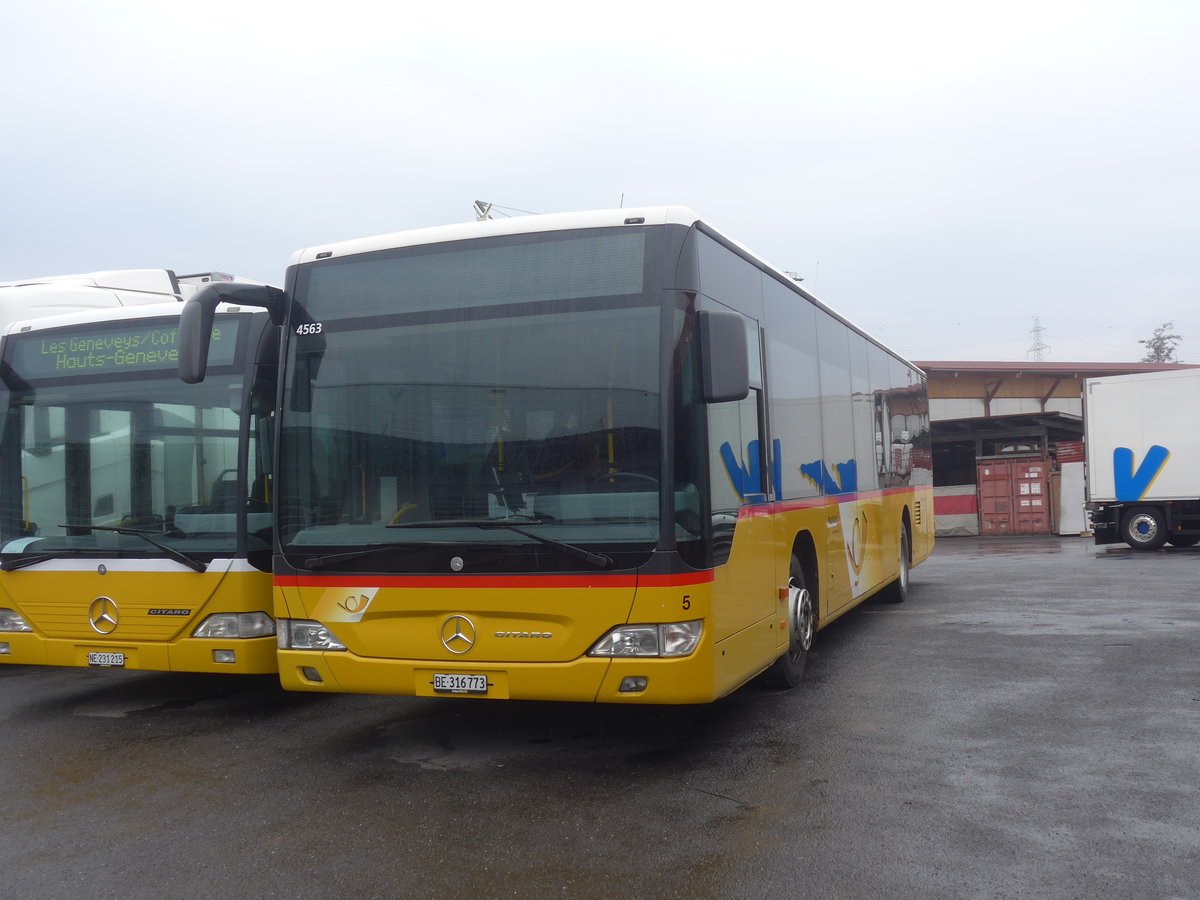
(607,457)
(134,509)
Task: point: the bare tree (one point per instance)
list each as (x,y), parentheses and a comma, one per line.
(1161,347)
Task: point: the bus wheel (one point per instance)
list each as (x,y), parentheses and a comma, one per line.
(897,591)
(1143,528)
(789,668)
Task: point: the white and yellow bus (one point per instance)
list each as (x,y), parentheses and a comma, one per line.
(606,456)
(134,509)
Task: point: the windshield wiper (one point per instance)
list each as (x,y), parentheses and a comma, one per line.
(599,560)
(32,560)
(194,564)
(332,559)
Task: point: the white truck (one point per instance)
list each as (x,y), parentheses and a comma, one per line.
(36,297)
(1142,444)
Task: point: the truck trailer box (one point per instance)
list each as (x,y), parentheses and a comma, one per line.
(1142,442)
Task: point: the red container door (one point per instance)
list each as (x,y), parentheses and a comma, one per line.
(1014,496)
(1031,496)
(995,497)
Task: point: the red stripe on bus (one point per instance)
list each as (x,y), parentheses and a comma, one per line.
(786,506)
(677,580)
(495,581)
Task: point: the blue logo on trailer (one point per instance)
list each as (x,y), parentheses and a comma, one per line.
(1132,484)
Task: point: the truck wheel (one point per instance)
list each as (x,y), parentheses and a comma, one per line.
(789,668)
(1143,528)
(1184,540)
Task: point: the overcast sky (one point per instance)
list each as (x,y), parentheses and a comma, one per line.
(941,173)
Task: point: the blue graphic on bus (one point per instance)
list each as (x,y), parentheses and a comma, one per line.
(747,479)
(843,479)
(1132,484)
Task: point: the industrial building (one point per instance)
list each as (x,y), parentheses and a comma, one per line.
(1007,444)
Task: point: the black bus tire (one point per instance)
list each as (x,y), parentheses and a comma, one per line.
(897,591)
(788,670)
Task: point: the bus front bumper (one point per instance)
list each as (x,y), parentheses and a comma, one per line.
(252,656)
(587,680)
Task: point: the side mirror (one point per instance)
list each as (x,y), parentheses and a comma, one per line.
(195,334)
(266,444)
(724,357)
(196,320)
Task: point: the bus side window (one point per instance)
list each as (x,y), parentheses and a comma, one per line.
(735,466)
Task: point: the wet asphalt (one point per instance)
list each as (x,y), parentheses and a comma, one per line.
(1027,725)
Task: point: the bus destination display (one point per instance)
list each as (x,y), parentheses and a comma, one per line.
(145,348)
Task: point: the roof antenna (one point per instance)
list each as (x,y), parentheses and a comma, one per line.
(483,210)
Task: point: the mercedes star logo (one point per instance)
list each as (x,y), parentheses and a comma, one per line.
(103,615)
(458,634)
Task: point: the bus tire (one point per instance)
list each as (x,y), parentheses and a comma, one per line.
(1144,528)
(897,591)
(788,670)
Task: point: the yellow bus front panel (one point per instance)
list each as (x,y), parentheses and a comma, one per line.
(137,614)
(528,637)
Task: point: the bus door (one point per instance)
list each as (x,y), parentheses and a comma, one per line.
(838,475)
(743,530)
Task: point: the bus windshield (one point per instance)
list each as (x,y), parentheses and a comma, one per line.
(120,456)
(435,390)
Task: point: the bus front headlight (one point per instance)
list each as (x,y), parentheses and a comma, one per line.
(666,639)
(10,620)
(236,625)
(306,634)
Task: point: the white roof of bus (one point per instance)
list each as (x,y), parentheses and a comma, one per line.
(55,295)
(109,314)
(157,281)
(604,218)
(150,281)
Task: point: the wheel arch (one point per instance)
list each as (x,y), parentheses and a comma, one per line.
(804,549)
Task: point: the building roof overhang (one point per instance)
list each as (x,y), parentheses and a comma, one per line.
(1081,369)
(1054,426)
